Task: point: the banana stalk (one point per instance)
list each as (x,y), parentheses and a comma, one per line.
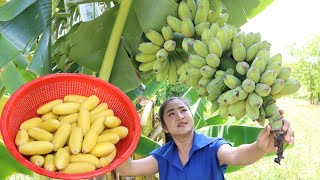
(276,122)
(146,118)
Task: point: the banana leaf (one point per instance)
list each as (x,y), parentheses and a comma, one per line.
(7,51)
(11,78)
(9,164)
(12,8)
(29,24)
(145,146)
(241,11)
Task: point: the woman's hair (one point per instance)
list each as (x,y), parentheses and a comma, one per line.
(164,105)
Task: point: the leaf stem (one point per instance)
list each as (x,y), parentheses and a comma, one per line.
(113,44)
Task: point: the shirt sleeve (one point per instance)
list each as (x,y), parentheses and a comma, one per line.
(215,147)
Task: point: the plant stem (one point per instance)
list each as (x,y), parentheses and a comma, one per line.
(113,44)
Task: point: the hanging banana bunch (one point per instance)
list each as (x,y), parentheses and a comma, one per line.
(233,69)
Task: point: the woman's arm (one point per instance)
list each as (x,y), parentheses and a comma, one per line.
(249,153)
(141,167)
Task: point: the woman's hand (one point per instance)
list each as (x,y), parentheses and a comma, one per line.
(265,140)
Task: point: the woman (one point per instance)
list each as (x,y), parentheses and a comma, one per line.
(191,155)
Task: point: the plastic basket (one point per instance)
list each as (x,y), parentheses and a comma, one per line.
(23,103)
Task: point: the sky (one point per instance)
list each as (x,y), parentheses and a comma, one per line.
(285,22)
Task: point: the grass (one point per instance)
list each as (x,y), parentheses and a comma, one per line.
(302,161)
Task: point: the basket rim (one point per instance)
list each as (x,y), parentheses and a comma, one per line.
(12,147)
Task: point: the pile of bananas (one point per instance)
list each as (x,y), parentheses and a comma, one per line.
(233,69)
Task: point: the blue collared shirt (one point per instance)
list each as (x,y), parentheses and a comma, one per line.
(203,160)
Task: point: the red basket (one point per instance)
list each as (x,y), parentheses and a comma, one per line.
(23,103)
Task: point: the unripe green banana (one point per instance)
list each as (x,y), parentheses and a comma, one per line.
(223,18)
(200,27)
(170,45)
(196,60)
(141,57)
(215,93)
(213,16)
(228,98)
(239,52)
(193,81)
(205,4)
(174,23)
(231,31)
(284,73)
(206,36)
(268,77)
(155,37)
(207,71)
(256,38)
(265,54)
(222,36)
(146,66)
(277,58)
(231,81)
(262,90)
(214,28)
(248,85)
(215,47)
(274,66)
(240,94)
(183,78)
(252,112)
(172,76)
(187,44)
(240,115)
(187,27)
(159,65)
(193,7)
(248,39)
(213,60)
(193,72)
(290,86)
(255,100)
(167,33)
(178,62)
(200,48)
(238,38)
(252,51)
(162,54)
(148,48)
(184,11)
(242,67)
(201,15)
(163,74)
(265,45)
(183,68)
(223,111)
(253,74)
(262,117)
(204,81)
(259,63)
(236,108)
(214,107)
(202,92)
(220,73)
(277,86)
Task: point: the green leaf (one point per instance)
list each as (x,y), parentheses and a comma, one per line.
(152,14)
(7,51)
(9,164)
(133,94)
(28,25)
(12,8)
(241,11)
(11,78)
(145,146)
(217,119)
(152,88)
(41,61)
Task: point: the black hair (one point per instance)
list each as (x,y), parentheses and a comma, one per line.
(161,113)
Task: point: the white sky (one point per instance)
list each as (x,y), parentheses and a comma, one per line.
(286,22)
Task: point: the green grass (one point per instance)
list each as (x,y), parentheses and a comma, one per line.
(302,161)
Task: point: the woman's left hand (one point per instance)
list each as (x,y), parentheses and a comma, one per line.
(265,140)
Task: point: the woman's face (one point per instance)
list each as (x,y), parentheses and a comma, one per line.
(178,118)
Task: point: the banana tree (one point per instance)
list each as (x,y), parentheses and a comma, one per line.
(101,38)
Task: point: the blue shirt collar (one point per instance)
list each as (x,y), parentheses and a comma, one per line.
(169,150)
